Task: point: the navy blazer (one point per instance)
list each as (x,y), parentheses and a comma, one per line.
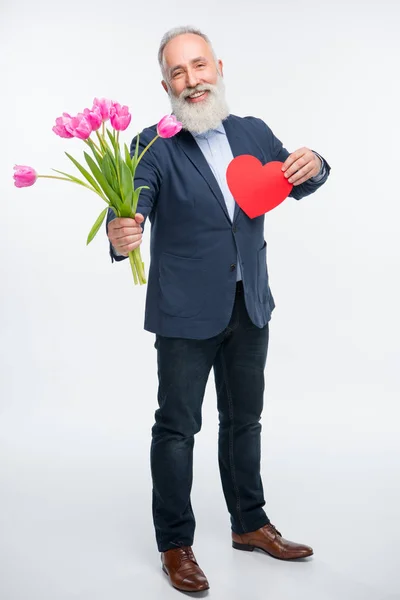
(194,245)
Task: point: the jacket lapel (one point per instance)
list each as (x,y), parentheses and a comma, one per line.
(195,155)
(238,146)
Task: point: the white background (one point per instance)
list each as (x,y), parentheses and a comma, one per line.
(78,372)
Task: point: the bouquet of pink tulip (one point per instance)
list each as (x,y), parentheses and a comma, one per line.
(111,172)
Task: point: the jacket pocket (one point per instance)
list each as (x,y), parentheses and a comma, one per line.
(262,279)
(181,285)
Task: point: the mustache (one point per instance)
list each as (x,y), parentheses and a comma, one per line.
(199,88)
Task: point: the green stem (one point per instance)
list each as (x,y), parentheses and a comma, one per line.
(116,148)
(97,152)
(54,177)
(89,187)
(147,147)
(139,265)
(102,141)
(116,152)
(94,144)
(133,266)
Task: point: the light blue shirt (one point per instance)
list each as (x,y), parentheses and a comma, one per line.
(217,151)
(218,154)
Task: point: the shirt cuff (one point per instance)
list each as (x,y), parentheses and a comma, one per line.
(322,172)
(117,253)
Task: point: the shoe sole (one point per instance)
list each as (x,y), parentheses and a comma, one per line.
(247,548)
(180,589)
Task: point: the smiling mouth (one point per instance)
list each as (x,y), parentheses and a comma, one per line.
(197,96)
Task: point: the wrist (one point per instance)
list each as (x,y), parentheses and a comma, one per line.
(319,163)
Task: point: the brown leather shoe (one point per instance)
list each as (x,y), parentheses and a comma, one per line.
(183,571)
(269,539)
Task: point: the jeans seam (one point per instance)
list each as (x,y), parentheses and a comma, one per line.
(235,325)
(231,455)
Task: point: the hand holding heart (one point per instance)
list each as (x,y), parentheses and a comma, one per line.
(259,188)
(301,165)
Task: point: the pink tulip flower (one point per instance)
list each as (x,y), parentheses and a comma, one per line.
(24,176)
(168,126)
(59,127)
(79,127)
(104,106)
(119,116)
(94,117)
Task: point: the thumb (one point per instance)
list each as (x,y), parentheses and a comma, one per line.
(139,218)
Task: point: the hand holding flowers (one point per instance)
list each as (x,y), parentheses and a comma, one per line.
(108,172)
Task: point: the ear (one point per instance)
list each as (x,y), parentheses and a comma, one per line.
(164,84)
(220,67)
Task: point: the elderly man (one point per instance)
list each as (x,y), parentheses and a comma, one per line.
(208,301)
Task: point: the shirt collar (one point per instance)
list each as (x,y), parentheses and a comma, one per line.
(210,132)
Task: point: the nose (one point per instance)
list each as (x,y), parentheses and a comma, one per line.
(191,79)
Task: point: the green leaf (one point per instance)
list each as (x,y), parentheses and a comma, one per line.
(126,182)
(136,154)
(114,156)
(117,154)
(80,182)
(136,194)
(95,152)
(108,190)
(128,159)
(96,226)
(85,173)
(112,140)
(71,177)
(112,159)
(102,141)
(109,171)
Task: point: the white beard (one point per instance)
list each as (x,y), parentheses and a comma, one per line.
(199,117)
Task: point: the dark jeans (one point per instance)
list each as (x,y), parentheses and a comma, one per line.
(238,355)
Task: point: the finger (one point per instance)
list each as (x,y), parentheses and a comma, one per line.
(299,164)
(292,158)
(122,222)
(303,179)
(123,232)
(139,218)
(125,249)
(305,171)
(289,161)
(126,240)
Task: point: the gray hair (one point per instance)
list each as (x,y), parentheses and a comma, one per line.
(173,33)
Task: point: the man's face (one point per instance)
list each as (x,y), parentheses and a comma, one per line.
(189,62)
(194,83)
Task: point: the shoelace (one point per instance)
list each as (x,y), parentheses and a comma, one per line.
(273,528)
(186,554)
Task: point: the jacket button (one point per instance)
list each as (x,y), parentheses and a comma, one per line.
(233,267)
(234,230)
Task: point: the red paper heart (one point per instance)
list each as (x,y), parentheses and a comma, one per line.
(257,188)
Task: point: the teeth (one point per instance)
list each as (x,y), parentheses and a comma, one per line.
(196,95)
